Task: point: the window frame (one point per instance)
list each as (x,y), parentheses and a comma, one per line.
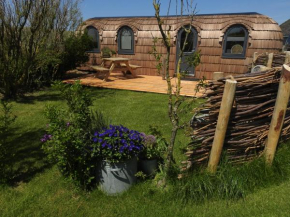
(195,38)
(123,51)
(245,45)
(95,50)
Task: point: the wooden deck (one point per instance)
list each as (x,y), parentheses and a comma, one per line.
(144,83)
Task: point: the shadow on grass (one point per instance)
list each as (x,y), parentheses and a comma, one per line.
(27,157)
(99,92)
(47,96)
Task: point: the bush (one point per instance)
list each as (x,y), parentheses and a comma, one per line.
(75,48)
(107,52)
(68,141)
(32,37)
(52,64)
(6,119)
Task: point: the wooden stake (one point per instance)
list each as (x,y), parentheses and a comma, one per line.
(287,57)
(255,56)
(270,60)
(278,115)
(222,124)
(218,75)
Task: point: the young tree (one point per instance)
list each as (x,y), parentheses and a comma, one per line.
(29,29)
(174,97)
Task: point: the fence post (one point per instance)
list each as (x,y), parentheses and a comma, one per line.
(287,57)
(278,115)
(255,56)
(218,75)
(270,60)
(222,124)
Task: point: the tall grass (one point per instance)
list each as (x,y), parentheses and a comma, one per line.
(232,181)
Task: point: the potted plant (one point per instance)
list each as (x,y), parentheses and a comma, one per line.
(107,52)
(118,147)
(154,147)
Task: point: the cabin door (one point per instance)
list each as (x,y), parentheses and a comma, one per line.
(190,48)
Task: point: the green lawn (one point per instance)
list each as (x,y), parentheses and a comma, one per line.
(39,189)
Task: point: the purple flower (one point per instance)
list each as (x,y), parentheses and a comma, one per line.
(68,124)
(118,142)
(46,137)
(149,140)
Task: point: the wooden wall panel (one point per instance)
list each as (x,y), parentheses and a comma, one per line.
(108,41)
(211,59)
(265,44)
(208,42)
(109,34)
(149,34)
(269,27)
(234,69)
(212,51)
(210,34)
(263,35)
(246,61)
(251,51)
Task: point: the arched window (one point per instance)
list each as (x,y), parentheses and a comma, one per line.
(126,40)
(94,34)
(190,46)
(235,42)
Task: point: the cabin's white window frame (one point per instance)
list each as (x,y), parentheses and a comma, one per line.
(94,34)
(229,53)
(125,42)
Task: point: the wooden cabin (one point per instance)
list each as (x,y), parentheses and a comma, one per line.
(226,42)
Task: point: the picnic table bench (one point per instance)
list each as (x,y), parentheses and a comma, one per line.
(116,64)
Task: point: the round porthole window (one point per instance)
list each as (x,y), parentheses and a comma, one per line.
(237,49)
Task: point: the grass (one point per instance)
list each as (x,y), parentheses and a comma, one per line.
(235,181)
(38,189)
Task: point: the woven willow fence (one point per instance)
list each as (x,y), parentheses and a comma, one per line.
(249,119)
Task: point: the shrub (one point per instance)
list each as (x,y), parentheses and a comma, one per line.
(107,52)
(118,143)
(68,141)
(52,64)
(6,119)
(75,48)
(30,30)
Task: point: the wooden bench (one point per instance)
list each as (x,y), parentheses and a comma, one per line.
(100,68)
(102,71)
(132,66)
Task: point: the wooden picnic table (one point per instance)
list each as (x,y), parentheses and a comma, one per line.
(116,64)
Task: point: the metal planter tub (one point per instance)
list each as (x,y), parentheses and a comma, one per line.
(115,178)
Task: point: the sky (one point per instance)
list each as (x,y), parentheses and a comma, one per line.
(279,10)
